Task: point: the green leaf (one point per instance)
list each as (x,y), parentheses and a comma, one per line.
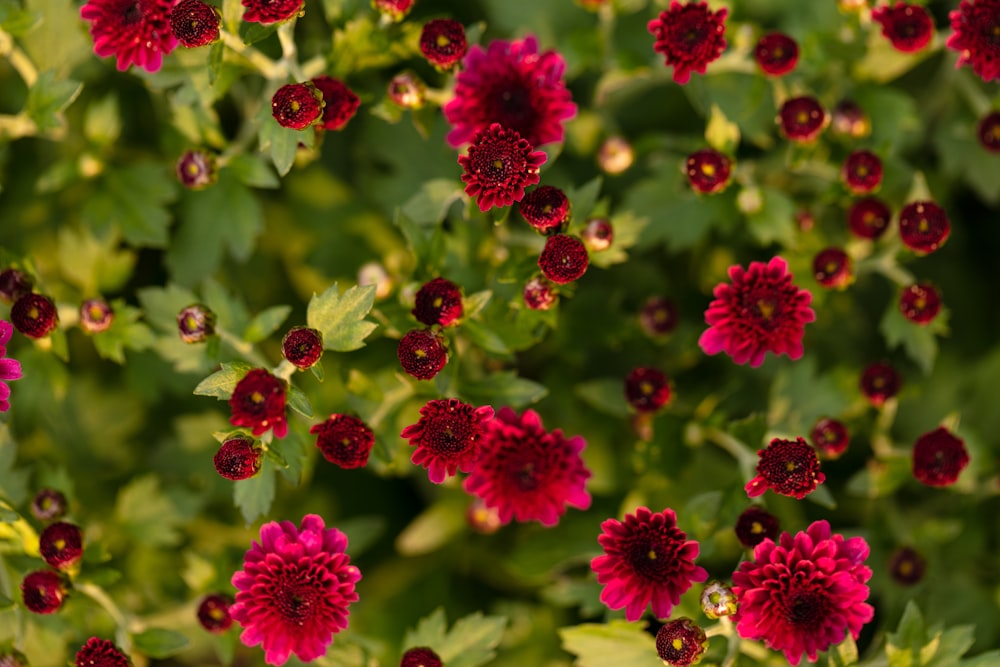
(252,170)
(432,528)
(470,643)
(605,395)
(251,33)
(293,451)
(917,340)
(126,331)
(473,304)
(903,647)
(265,323)
(774,222)
(503,388)
(13,481)
(222,382)
(341,317)
(47,99)
(426,241)
(134,200)
(94,264)
(147,513)
(584,198)
(161,305)
(616,643)
(254,496)
(160,643)
(822,497)
(431,203)
(16,21)
(484,337)
(844,654)
(720,133)
(103,124)
(280,143)
(298,401)
(5,602)
(430,631)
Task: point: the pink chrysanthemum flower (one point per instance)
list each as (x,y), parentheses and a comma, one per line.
(498,166)
(512,84)
(760,311)
(526,472)
(136,32)
(10,369)
(976,24)
(787,467)
(908,27)
(294,590)
(803,594)
(647,561)
(447,437)
(689,37)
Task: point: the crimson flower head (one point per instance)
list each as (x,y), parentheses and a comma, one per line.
(43,591)
(512,84)
(10,369)
(659,316)
(862,172)
(14,284)
(302,347)
(923,226)
(345,440)
(195,323)
(975,25)
(100,653)
(564,258)
(689,37)
(339,102)
(135,32)
(908,27)
(830,437)
(238,458)
(96,315)
(647,561)
(527,473)
(777,54)
(420,656)
(988,132)
(546,208)
(681,642)
(271,11)
(708,171)
(759,311)
(295,589)
(832,267)
(647,389)
(422,353)
(754,525)
(34,315)
(393,10)
(447,437)
(498,166)
(438,301)
(880,382)
(869,218)
(297,105)
(213,613)
(802,119)
(787,467)
(194,23)
(539,294)
(920,303)
(61,545)
(907,566)
(442,41)
(258,403)
(598,235)
(939,458)
(803,593)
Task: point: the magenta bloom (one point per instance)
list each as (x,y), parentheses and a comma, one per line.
(787,467)
(527,473)
(499,165)
(760,311)
(689,36)
(908,27)
(10,369)
(803,594)
(294,590)
(976,25)
(447,437)
(647,560)
(512,84)
(134,31)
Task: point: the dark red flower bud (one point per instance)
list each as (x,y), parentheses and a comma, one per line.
(43,591)
(564,259)
(96,316)
(708,171)
(755,525)
(923,226)
(680,643)
(647,389)
(422,354)
(988,133)
(907,566)
(438,301)
(939,458)
(238,458)
(34,315)
(344,440)
(100,653)
(442,41)
(194,23)
(920,303)
(302,346)
(777,54)
(420,656)
(598,234)
(862,172)
(880,382)
(14,284)
(659,316)
(802,119)
(869,218)
(546,208)
(832,268)
(213,613)
(787,467)
(339,102)
(909,27)
(539,294)
(258,403)
(48,505)
(195,323)
(196,169)
(61,545)
(829,437)
(297,105)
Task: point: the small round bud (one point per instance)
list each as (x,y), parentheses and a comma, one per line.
(988,132)
(755,525)
(615,155)
(407,91)
(708,171)
(422,354)
(539,294)
(862,172)
(442,41)
(777,54)
(297,105)
(802,119)
(373,273)
(907,566)
(647,389)
(43,591)
(196,323)
(832,268)
(61,545)
(880,382)
(238,458)
(96,316)
(850,120)
(546,208)
(920,303)
(34,315)
(830,438)
(302,347)
(438,301)
(14,284)
(483,519)
(923,226)
(196,170)
(680,643)
(598,234)
(658,317)
(718,600)
(213,613)
(48,505)
(564,259)
(195,23)
(939,457)
(869,218)
(420,656)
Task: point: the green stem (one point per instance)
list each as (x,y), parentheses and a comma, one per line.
(243,348)
(18,59)
(98,595)
(267,67)
(389,402)
(15,127)
(737,448)
(289,51)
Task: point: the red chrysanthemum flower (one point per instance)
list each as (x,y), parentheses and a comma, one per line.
(802,119)
(923,226)
(920,303)
(498,166)
(647,561)
(546,208)
(258,403)
(681,643)
(512,84)
(801,595)
(442,41)
(862,172)
(344,440)
(339,102)
(14,284)
(271,11)
(294,590)
(787,467)
(908,27)
(850,120)
(830,437)
(659,316)
(777,53)
(61,545)
(213,613)
(10,369)
(48,505)
(564,258)
(422,354)
(194,23)
(754,525)
(238,458)
(297,105)
(195,323)
(939,458)
(302,346)
(438,301)
(760,311)
(832,267)
(96,316)
(447,437)
(527,473)
(976,24)
(34,315)
(407,90)
(869,218)
(689,37)
(907,566)
(988,132)
(598,234)
(708,171)
(880,382)
(539,294)
(43,591)
(647,389)
(100,653)
(134,31)
(420,656)
(393,10)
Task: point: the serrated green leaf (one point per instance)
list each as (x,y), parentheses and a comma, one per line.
(430,204)
(473,304)
(627,230)
(605,395)
(95,265)
(222,382)
(126,331)
(134,200)
(917,340)
(160,642)
(472,640)
(584,198)
(280,143)
(265,323)
(298,401)
(254,496)
(430,631)
(484,337)
(341,317)
(503,388)
(47,99)
(616,643)
(161,305)
(903,647)
(146,513)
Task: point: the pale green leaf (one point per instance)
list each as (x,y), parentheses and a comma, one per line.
(159,642)
(254,496)
(222,382)
(265,323)
(341,317)
(615,643)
